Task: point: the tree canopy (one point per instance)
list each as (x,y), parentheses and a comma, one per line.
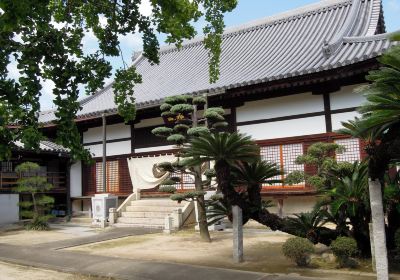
(44,38)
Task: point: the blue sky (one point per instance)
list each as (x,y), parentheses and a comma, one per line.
(247,10)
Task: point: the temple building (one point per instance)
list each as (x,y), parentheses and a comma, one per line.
(287,81)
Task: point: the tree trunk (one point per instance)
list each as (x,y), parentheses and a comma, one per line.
(203,227)
(378,225)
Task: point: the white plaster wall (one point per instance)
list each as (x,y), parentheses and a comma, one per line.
(154,149)
(116,148)
(294,204)
(76,179)
(9,208)
(280,107)
(289,128)
(342,117)
(346,98)
(114,131)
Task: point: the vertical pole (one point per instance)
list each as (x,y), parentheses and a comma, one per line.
(237,224)
(378,230)
(104,152)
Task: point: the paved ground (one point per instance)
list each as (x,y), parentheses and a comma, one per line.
(48,256)
(18,272)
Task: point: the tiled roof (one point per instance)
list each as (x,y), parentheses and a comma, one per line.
(314,38)
(45,146)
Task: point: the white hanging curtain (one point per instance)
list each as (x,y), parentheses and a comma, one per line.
(144,172)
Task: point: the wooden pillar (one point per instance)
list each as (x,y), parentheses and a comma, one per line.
(103,116)
(68,187)
(328,114)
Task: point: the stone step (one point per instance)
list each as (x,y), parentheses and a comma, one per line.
(123,225)
(142,221)
(156,202)
(141,214)
(165,209)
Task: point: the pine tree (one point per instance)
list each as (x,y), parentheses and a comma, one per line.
(32,183)
(184,122)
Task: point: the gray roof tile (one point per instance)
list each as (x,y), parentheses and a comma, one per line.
(290,44)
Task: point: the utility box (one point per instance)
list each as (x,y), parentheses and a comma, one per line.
(101,204)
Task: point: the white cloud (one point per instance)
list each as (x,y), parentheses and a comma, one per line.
(13,72)
(46,100)
(145,8)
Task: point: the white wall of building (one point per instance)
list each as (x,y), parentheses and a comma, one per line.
(346,97)
(293,205)
(115,148)
(114,131)
(337,119)
(76,179)
(9,210)
(281,129)
(153,149)
(280,107)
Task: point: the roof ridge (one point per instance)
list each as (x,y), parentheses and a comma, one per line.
(376,37)
(286,16)
(331,46)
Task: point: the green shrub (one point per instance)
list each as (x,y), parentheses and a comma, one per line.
(165,107)
(344,248)
(168,114)
(182,108)
(176,138)
(186,196)
(177,99)
(199,100)
(181,128)
(196,131)
(213,115)
(39,223)
(298,249)
(162,131)
(220,124)
(168,189)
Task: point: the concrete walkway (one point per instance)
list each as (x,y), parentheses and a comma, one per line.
(49,256)
(123,268)
(112,233)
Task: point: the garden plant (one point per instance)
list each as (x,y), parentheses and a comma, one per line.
(32,183)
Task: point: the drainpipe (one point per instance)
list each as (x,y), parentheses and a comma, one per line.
(103,116)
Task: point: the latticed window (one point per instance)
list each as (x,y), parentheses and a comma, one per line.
(186,181)
(284,156)
(112,176)
(6,166)
(352,152)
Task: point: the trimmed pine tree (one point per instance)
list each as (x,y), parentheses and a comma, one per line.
(37,209)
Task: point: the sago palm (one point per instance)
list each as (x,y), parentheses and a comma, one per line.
(350,193)
(252,176)
(382,114)
(225,149)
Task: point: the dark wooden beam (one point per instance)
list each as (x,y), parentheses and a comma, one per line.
(328,114)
